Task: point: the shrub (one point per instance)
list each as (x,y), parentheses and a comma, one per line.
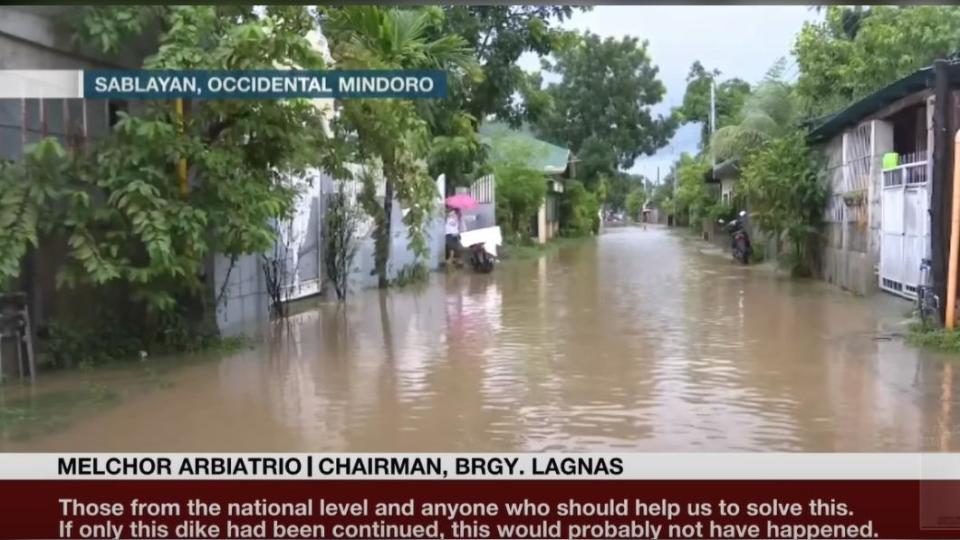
(520,192)
(786,195)
(339,239)
(579,211)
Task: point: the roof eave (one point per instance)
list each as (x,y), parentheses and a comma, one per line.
(829,126)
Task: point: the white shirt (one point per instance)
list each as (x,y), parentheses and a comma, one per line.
(453,224)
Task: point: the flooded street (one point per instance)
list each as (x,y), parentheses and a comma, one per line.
(635,341)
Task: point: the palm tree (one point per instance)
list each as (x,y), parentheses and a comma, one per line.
(392,130)
(769,112)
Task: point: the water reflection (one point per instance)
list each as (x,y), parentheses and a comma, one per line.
(636,341)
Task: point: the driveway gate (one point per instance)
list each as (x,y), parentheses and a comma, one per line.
(905,228)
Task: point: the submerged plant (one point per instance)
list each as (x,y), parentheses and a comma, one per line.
(341,221)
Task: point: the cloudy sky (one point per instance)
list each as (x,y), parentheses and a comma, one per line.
(740,41)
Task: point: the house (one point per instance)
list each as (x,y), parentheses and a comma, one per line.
(879,160)
(556,162)
(39,38)
(35,37)
(726,174)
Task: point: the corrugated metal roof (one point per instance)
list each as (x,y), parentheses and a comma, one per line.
(829,126)
(725,170)
(544,156)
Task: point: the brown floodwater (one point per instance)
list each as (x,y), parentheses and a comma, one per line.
(638,340)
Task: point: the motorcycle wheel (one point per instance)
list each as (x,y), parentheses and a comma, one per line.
(742,254)
(482,262)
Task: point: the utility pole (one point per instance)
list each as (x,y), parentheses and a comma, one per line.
(942,189)
(713,106)
(713,117)
(183,182)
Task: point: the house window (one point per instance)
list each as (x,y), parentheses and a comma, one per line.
(32,120)
(11,142)
(910,134)
(55,121)
(97,118)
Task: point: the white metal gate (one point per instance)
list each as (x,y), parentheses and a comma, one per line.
(905,228)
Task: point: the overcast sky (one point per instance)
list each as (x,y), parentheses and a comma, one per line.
(740,41)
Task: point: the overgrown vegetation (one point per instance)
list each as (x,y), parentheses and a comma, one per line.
(934,338)
(856,50)
(787,195)
(635,202)
(520,188)
(778,173)
(695,199)
(410,274)
(527,249)
(579,210)
(132,231)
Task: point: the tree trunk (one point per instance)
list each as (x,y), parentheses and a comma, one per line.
(384,236)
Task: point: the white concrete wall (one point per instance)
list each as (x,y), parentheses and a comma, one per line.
(850,252)
(245,301)
(881,144)
(35,37)
(727,186)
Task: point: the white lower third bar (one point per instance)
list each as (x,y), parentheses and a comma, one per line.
(41,83)
(633,466)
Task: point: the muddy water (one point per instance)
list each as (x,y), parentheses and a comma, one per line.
(636,341)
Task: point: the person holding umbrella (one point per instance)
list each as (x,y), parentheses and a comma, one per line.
(455,206)
(453,229)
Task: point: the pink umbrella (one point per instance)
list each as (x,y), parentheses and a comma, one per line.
(461,201)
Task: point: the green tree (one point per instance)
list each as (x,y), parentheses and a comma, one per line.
(694,199)
(596,161)
(579,210)
(770,111)
(128,223)
(662,193)
(27,188)
(520,192)
(619,187)
(635,202)
(392,131)
(496,36)
(729,97)
(855,51)
(606,90)
(786,195)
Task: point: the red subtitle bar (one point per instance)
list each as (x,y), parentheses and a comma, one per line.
(198,509)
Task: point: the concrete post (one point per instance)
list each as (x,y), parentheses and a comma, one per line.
(881,142)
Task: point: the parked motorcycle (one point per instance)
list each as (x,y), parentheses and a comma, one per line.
(481,248)
(740,244)
(480,260)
